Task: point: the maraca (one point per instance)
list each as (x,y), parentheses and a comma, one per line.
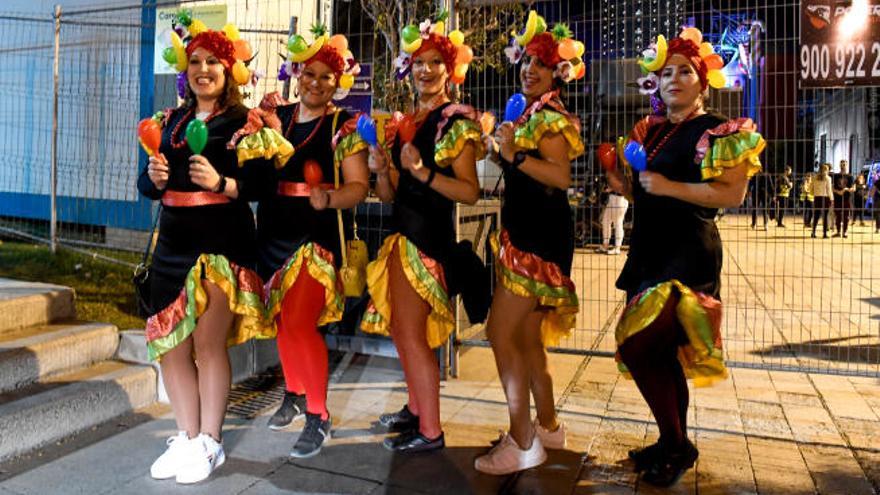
(312,173)
(196,136)
(149,135)
(516,105)
(487,122)
(607,156)
(407,129)
(636,156)
(367,129)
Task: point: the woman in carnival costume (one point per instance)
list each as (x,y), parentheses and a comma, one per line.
(534,304)
(424,178)
(202,281)
(697,162)
(320,166)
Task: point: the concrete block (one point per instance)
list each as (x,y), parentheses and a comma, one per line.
(37,353)
(25,304)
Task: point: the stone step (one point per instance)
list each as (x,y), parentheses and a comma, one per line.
(26,304)
(65,404)
(30,354)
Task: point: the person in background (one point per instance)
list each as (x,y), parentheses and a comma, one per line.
(783,191)
(822,192)
(843,187)
(760,192)
(612,216)
(806,197)
(860,195)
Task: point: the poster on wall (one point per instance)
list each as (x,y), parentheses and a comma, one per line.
(839,43)
(214,16)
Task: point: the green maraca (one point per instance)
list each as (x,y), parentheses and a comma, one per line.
(196,136)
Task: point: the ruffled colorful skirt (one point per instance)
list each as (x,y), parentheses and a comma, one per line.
(243,289)
(319,264)
(527,275)
(424,274)
(699,314)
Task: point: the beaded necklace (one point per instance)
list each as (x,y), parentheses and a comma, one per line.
(656,149)
(314,131)
(175,134)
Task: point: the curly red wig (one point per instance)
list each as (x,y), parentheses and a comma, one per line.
(441,44)
(216,43)
(331,58)
(689,50)
(545,48)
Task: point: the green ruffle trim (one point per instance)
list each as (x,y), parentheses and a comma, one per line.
(347,146)
(319,265)
(453,142)
(266,143)
(528,136)
(192,303)
(731,151)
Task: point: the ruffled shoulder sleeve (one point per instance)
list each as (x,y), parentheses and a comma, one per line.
(347,141)
(458,127)
(261,136)
(732,143)
(640,130)
(547,121)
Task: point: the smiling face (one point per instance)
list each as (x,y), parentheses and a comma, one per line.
(680,85)
(535,77)
(429,72)
(206,74)
(317,83)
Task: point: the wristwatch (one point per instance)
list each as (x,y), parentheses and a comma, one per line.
(221,186)
(518,158)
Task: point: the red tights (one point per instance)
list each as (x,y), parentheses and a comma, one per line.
(301,347)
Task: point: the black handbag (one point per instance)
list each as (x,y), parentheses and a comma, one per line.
(141,277)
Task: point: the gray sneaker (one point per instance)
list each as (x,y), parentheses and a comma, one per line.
(312,438)
(292,408)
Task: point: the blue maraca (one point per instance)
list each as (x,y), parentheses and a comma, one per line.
(367,129)
(516,105)
(636,156)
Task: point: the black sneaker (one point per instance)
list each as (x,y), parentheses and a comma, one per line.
(413,442)
(292,408)
(313,436)
(400,421)
(671,465)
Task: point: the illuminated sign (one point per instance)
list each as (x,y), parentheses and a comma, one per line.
(840,43)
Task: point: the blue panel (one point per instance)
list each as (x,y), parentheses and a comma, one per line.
(110,213)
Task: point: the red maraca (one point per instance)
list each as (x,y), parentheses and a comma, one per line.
(150,135)
(607,156)
(407,129)
(312,173)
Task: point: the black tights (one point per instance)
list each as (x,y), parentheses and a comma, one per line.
(652,358)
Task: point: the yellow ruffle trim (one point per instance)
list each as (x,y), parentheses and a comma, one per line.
(377,319)
(702,359)
(733,150)
(351,144)
(319,263)
(559,304)
(266,143)
(462,132)
(528,135)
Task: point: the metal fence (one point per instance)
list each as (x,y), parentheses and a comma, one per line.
(791,301)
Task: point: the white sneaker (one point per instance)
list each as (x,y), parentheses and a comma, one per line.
(614,251)
(507,457)
(602,249)
(167,465)
(205,455)
(551,439)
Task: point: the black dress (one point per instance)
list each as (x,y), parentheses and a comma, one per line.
(187,232)
(286,223)
(209,241)
(674,239)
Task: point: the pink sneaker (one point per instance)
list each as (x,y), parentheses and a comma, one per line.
(551,439)
(507,457)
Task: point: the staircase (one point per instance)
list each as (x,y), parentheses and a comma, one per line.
(57,375)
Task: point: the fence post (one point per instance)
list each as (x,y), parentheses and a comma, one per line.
(53,174)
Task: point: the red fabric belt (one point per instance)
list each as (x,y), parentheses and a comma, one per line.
(199,198)
(298,189)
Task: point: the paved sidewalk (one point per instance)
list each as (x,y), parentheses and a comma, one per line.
(759,432)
